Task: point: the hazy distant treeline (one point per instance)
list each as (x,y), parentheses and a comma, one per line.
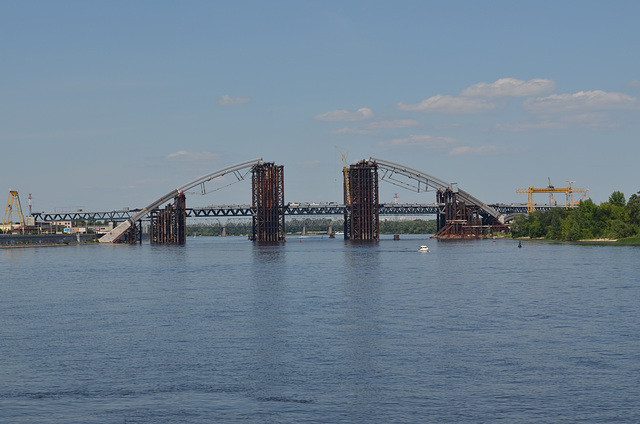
(313,226)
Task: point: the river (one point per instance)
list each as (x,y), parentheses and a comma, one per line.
(320,330)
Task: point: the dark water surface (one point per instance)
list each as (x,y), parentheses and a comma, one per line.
(224,330)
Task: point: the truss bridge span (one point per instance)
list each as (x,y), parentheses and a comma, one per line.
(239,211)
(292,209)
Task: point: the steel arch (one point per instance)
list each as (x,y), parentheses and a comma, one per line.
(438,184)
(117,232)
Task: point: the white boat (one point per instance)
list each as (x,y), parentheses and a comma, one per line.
(423,248)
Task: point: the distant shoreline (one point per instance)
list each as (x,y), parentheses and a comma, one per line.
(46,240)
(618,242)
(25,245)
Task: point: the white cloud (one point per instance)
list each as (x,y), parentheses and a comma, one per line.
(184,156)
(352,130)
(345,116)
(423,141)
(373,127)
(635,83)
(510,87)
(394,124)
(477,98)
(591,119)
(563,121)
(474,151)
(581,101)
(227,100)
(451,105)
(528,126)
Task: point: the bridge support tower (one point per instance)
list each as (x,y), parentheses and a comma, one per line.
(133,235)
(168,225)
(362,211)
(460,220)
(267,184)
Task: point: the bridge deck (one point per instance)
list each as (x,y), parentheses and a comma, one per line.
(292,209)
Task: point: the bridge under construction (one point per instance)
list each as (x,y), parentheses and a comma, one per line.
(459,214)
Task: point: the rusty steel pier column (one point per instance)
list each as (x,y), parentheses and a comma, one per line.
(267,184)
(133,235)
(459,219)
(168,226)
(362,212)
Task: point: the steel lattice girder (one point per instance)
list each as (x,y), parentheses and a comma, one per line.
(307,209)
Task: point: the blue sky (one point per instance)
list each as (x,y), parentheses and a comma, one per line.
(105,105)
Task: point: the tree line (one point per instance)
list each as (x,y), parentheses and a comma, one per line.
(313,226)
(614,219)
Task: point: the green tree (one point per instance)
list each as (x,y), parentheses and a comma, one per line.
(633,208)
(518,226)
(617,198)
(620,229)
(554,225)
(614,219)
(534,227)
(585,218)
(571,230)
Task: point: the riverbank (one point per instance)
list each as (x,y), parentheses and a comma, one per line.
(631,241)
(42,240)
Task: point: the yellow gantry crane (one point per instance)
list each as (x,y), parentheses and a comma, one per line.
(568,191)
(13,202)
(346,176)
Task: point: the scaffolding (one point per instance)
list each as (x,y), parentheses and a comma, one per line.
(460,220)
(168,225)
(267,185)
(362,210)
(133,235)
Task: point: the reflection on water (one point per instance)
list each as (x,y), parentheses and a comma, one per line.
(270,320)
(321,329)
(363,328)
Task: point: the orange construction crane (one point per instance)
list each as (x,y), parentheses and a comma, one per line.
(568,191)
(13,201)
(345,171)
(582,198)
